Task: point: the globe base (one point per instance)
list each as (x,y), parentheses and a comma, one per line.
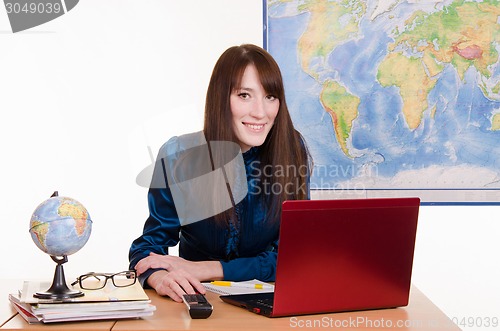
(69,294)
(59,290)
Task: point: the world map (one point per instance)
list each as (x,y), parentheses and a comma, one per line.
(393,94)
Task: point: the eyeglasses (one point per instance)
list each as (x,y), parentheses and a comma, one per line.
(96,280)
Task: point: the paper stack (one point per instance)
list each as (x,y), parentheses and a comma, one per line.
(107,303)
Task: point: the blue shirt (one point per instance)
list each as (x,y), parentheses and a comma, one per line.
(245,253)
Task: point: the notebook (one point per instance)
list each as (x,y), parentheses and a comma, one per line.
(244,287)
(340,255)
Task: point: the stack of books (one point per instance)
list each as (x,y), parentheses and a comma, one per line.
(107,303)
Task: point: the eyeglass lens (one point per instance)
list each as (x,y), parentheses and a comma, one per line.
(123,279)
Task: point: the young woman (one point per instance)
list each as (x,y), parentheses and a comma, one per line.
(245,104)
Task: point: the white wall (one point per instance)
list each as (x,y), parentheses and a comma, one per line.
(82,98)
(456,261)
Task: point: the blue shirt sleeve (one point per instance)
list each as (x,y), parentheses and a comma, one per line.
(162,227)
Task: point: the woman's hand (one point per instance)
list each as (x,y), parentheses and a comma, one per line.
(181,276)
(175,284)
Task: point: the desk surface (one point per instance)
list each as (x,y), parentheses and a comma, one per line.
(421,314)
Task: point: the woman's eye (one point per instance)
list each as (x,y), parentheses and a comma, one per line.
(244,95)
(271,97)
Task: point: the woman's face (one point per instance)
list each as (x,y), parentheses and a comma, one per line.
(253,110)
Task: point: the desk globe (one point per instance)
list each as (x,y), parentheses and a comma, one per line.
(60,226)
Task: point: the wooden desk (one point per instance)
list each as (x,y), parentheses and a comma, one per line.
(421,314)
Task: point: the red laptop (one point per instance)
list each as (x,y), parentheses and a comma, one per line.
(340,255)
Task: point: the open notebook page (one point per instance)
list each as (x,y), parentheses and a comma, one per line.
(226,290)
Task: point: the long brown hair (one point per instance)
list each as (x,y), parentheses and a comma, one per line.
(284,149)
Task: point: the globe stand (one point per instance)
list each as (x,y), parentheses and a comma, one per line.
(59,289)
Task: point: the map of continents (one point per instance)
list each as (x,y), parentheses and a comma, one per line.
(393,94)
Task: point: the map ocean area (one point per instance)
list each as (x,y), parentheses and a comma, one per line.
(397,90)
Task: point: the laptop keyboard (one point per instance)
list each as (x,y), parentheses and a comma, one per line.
(267,302)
